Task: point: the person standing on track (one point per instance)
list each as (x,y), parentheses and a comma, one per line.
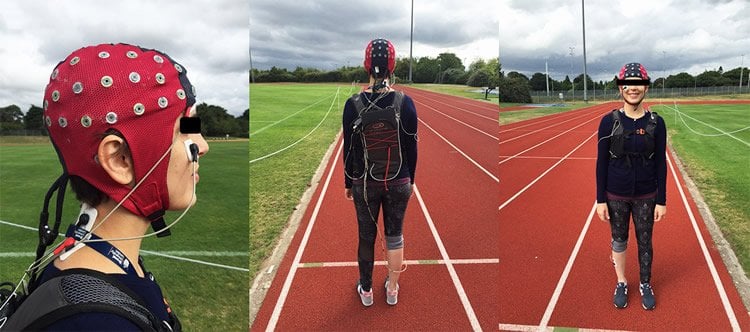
(380,160)
(631,177)
(122,122)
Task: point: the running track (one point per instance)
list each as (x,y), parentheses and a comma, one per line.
(554,251)
(450,230)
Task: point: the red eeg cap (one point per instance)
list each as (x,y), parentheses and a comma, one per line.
(138,92)
(633,69)
(380,53)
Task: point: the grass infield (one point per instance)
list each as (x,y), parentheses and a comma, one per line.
(717,163)
(204,297)
(281,115)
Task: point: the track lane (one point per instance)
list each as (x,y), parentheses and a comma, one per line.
(589,284)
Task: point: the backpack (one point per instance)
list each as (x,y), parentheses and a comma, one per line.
(378,130)
(77,291)
(619,136)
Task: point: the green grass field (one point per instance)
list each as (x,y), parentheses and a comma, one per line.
(717,163)
(206,298)
(283,114)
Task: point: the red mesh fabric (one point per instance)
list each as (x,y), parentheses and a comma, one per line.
(633,69)
(380,52)
(136,91)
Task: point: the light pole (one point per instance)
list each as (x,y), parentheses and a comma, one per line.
(572,80)
(583,20)
(742,63)
(411,39)
(546,76)
(664,81)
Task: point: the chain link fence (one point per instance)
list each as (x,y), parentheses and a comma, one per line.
(610,94)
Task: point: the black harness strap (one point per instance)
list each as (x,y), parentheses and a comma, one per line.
(79,291)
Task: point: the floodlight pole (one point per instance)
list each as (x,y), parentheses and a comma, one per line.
(583,20)
(411,39)
(742,63)
(546,76)
(252,75)
(664,81)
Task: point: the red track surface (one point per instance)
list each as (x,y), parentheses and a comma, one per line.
(547,195)
(457,183)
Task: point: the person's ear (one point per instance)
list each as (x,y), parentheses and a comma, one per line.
(117,164)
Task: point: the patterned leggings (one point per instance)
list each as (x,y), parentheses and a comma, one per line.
(394,202)
(642,211)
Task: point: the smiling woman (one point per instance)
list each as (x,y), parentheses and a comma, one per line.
(631,178)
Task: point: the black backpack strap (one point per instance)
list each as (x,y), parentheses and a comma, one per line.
(359,105)
(80,291)
(398,99)
(650,135)
(616,139)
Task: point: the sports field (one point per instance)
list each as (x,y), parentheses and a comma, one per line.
(201,267)
(291,127)
(713,140)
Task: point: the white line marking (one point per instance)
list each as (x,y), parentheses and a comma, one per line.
(678,112)
(461,152)
(547,140)
(717,281)
(461,122)
(564,277)
(295,264)
(284,119)
(530,328)
(166,254)
(451,270)
(197,261)
(335,98)
(544,173)
(555,157)
(17,225)
(408,262)
(155,253)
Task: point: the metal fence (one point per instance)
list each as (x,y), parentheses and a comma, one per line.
(22,132)
(610,94)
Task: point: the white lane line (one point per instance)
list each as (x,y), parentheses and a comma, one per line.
(534,328)
(544,173)
(197,261)
(717,281)
(17,225)
(550,157)
(451,270)
(547,140)
(564,277)
(461,152)
(408,262)
(254,132)
(335,98)
(295,264)
(167,254)
(572,118)
(461,122)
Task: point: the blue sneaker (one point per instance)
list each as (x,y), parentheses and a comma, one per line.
(647,296)
(621,295)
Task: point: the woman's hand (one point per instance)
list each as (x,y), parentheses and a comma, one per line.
(348,194)
(602,211)
(659,212)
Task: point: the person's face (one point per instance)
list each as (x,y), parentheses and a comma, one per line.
(633,94)
(180,171)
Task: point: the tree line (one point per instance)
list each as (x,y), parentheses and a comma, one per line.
(709,78)
(446,68)
(215,121)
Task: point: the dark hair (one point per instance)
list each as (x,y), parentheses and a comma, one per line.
(85,192)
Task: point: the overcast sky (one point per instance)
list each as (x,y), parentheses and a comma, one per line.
(328,34)
(667,36)
(208,37)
